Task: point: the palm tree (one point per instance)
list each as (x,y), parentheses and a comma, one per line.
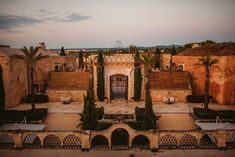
(206,62)
(90,61)
(148,60)
(137,72)
(31,56)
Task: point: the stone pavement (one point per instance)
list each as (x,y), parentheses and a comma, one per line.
(173,121)
(62,121)
(122,107)
(123,153)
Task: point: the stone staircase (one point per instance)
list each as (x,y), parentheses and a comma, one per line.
(62,121)
(68,80)
(176,122)
(169,80)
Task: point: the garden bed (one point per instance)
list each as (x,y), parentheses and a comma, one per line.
(212,114)
(18,115)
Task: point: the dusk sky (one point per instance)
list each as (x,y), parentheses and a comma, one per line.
(100,23)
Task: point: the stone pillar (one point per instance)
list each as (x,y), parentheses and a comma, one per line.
(86,140)
(221,139)
(154,141)
(17,137)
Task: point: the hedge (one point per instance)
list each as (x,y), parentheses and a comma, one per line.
(37,99)
(18,115)
(196,98)
(139,114)
(137,125)
(212,114)
(103,125)
(99,112)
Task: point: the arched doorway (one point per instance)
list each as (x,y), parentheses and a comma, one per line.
(118,86)
(100,142)
(140,141)
(120,139)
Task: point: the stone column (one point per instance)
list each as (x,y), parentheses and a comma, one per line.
(221,139)
(154,141)
(17,137)
(86,140)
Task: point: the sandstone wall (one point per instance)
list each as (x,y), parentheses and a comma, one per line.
(54,96)
(14,80)
(179,95)
(222,77)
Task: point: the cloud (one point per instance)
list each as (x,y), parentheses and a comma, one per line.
(73,18)
(8,22)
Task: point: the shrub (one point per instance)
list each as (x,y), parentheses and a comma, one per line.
(137,125)
(196,98)
(139,114)
(103,125)
(18,115)
(99,112)
(37,99)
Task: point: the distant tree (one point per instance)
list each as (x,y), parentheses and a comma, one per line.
(137,73)
(206,62)
(203,43)
(189,45)
(100,76)
(62,52)
(81,61)
(2,92)
(173,52)
(31,57)
(158,58)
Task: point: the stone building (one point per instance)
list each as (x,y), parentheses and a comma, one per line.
(222,75)
(58,76)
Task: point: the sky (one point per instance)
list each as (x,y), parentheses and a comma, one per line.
(101,23)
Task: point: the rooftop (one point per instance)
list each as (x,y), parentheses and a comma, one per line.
(217,49)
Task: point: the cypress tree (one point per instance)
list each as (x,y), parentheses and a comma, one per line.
(149,116)
(137,78)
(2,93)
(80,60)
(88,115)
(158,58)
(100,76)
(62,52)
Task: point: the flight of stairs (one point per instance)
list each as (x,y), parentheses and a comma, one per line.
(176,122)
(169,80)
(68,80)
(62,121)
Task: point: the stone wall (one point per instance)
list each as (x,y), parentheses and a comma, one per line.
(179,95)
(157,139)
(222,77)
(165,59)
(14,80)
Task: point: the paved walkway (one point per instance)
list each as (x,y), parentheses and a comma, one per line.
(124,153)
(62,121)
(123,107)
